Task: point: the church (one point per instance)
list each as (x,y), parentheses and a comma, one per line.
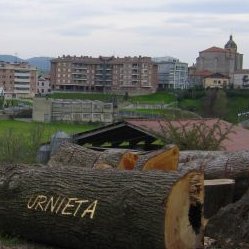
(225,61)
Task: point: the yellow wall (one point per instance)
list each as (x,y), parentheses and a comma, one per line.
(215,82)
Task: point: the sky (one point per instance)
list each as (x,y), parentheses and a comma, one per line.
(156,28)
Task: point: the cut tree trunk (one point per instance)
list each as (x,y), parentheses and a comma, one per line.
(219,164)
(218,193)
(76,155)
(80,208)
(117,158)
(165,159)
(232,165)
(190,155)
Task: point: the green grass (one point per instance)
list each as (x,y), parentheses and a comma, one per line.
(155,98)
(194,105)
(49,129)
(171,113)
(236,104)
(84,96)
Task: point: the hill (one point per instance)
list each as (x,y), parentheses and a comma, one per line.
(10,58)
(42,63)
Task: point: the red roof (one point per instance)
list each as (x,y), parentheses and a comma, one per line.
(237,140)
(217,75)
(215,50)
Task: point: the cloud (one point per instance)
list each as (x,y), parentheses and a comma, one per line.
(178,28)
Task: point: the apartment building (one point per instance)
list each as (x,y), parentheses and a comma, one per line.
(18,79)
(135,75)
(172,73)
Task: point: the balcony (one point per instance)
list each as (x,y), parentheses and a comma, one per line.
(27,81)
(24,74)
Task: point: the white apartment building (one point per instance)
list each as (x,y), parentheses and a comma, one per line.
(172,74)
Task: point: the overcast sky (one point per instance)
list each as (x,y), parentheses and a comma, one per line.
(178,28)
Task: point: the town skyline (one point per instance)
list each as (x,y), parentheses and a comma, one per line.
(179,29)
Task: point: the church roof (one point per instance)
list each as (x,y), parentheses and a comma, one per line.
(231,44)
(214,50)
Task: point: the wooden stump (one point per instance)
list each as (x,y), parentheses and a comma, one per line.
(218,193)
(79,208)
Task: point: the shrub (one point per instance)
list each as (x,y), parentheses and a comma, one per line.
(195,136)
(20,148)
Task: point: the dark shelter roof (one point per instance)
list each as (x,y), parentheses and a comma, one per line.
(116,134)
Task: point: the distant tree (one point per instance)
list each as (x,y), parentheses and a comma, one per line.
(220,104)
(126,96)
(209,102)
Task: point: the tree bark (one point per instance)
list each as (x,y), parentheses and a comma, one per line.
(80,208)
(165,159)
(76,155)
(190,155)
(218,193)
(231,165)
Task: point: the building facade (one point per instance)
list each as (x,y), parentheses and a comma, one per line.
(48,110)
(18,79)
(104,74)
(241,79)
(43,85)
(172,74)
(216,80)
(220,60)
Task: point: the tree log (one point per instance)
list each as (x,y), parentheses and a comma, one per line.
(80,208)
(190,155)
(232,165)
(76,155)
(117,158)
(218,193)
(218,164)
(165,159)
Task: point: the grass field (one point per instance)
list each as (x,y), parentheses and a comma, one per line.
(155,98)
(49,129)
(84,96)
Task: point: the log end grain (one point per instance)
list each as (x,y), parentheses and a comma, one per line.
(184,223)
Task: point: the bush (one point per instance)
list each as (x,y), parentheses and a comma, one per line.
(195,136)
(20,148)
